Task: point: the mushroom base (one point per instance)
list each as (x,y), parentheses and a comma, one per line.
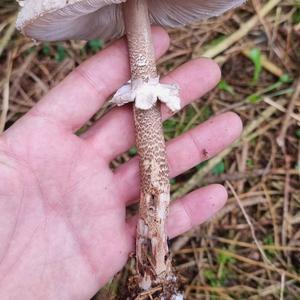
(166,291)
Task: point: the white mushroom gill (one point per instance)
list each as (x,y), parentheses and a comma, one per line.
(174,13)
(57,20)
(53,20)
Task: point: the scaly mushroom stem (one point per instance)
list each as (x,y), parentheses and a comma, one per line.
(152,253)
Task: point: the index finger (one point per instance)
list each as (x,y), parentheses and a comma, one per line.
(78,97)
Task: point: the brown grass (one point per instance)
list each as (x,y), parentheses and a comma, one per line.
(251,249)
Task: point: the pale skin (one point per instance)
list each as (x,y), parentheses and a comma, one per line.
(63,228)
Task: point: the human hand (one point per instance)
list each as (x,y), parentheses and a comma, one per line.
(63,227)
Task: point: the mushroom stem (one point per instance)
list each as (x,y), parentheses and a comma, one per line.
(152,254)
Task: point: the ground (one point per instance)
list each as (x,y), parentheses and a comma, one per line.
(251,248)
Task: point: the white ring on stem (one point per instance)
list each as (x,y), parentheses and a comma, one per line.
(146,94)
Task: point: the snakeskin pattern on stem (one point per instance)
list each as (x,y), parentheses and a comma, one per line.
(153,260)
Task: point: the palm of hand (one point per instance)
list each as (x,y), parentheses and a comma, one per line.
(63,227)
(59,197)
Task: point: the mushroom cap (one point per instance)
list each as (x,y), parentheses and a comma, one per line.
(58,20)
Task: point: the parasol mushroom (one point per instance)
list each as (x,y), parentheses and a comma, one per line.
(56,20)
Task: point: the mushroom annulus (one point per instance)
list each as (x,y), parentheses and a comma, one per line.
(58,20)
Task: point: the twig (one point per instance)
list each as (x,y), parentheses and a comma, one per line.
(257,7)
(282,286)
(223,289)
(235,176)
(286,202)
(262,252)
(281,108)
(236,36)
(5,100)
(286,122)
(8,34)
(273,215)
(250,245)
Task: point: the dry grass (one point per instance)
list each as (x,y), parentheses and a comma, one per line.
(251,249)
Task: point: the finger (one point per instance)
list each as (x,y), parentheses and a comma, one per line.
(192,210)
(82,93)
(185,151)
(114,133)
(196,208)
